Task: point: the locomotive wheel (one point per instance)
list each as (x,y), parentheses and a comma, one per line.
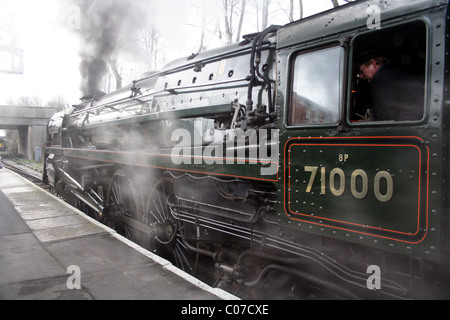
(124,199)
(63,190)
(166,240)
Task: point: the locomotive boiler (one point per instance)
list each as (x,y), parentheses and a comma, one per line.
(258,168)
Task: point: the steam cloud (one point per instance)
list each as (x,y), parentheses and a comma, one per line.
(103,31)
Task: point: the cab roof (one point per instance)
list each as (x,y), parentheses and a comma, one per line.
(347,17)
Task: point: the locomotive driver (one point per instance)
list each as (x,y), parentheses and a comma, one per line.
(394,94)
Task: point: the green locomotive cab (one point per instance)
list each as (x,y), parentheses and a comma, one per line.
(364,159)
(358,155)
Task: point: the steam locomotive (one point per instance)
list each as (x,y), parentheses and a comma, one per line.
(255,166)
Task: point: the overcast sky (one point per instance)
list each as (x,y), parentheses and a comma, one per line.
(51,49)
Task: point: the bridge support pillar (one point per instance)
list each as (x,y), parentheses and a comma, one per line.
(22,147)
(31,137)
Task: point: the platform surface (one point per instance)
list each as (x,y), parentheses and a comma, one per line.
(51,251)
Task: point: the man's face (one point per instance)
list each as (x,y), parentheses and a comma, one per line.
(368,70)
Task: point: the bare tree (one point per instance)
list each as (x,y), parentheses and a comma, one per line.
(112,62)
(205,14)
(230,11)
(262,13)
(227,16)
(265,14)
(241,20)
(28,101)
(288,7)
(152,45)
(202,46)
(300,3)
(57,102)
(291,11)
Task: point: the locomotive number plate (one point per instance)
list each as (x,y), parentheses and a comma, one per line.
(369,185)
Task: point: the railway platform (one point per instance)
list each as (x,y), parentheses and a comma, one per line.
(51,251)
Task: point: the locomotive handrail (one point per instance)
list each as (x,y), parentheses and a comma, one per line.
(158,94)
(218,57)
(163,115)
(174,89)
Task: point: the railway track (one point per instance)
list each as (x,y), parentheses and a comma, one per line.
(11,163)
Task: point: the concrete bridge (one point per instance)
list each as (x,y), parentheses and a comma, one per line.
(31,124)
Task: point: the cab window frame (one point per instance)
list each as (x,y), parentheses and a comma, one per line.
(353,69)
(342,76)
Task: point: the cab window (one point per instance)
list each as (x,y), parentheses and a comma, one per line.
(316,87)
(389,67)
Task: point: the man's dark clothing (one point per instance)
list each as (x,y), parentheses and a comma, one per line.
(396,95)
